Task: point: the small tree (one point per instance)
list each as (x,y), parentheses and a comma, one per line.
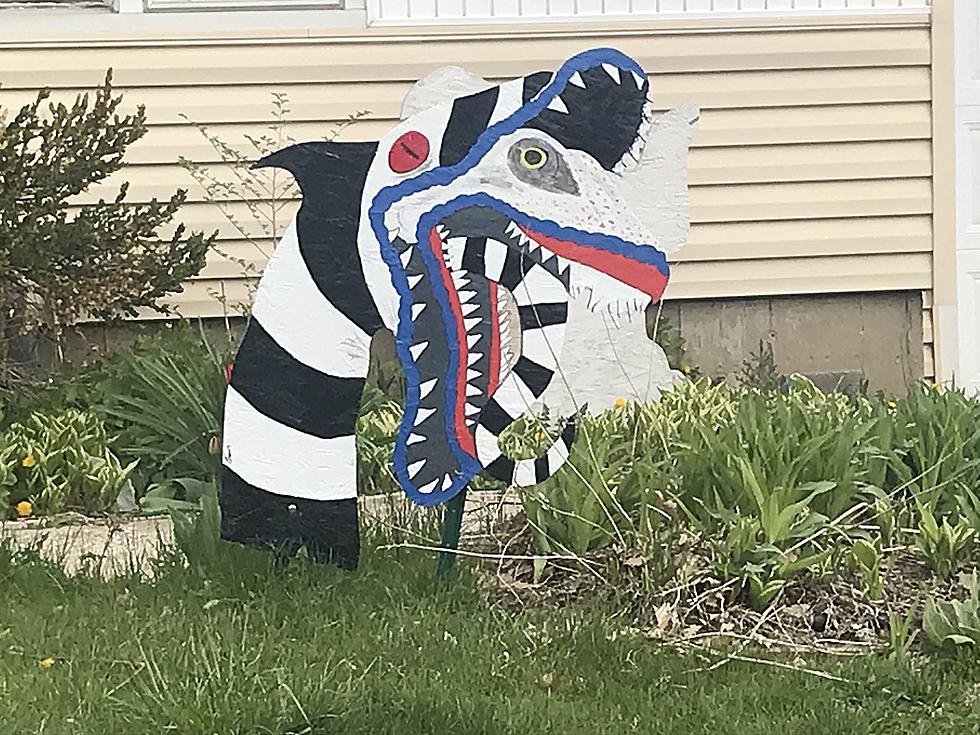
(61,262)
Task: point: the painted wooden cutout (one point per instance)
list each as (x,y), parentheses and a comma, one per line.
(468,231)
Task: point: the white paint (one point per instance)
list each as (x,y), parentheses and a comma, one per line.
(968,193)
(409,12)
(603,362)
(288,304)
(657,188)
(284,461)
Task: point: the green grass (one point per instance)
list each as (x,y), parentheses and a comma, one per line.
(235,645)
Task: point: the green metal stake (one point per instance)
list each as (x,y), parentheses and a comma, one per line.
(452,521)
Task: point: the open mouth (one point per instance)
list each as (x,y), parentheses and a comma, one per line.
(490,291)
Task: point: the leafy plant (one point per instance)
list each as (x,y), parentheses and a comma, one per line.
(955,622)
(759,370)
(866,555)
(936,434)
(62,462)
(60,263)
(377,427)
(901,635)
(674,345)
(165,398)
(943,546)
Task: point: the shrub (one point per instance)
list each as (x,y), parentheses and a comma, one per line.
(62,462)
(59,265)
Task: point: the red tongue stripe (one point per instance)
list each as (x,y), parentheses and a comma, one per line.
(463,436)
(493,378)
(645,278)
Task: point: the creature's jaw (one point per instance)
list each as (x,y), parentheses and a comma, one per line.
(490,284)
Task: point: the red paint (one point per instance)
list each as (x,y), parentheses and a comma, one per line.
(408,152)
(228,368)
(493,378)
(642,277)
(463,436)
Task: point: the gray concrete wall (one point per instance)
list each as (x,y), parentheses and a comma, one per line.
(877,336)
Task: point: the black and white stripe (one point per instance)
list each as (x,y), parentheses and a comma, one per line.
(295,389)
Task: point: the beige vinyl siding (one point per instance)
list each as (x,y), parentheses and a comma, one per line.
(810,173)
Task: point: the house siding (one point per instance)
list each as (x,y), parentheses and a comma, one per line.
(811,172)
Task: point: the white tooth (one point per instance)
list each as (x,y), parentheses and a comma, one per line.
(423,414)
(613,71)
(557,105)
(472,339)
(406,257)
(472,390)
(418,349)
(442,231)
(471,322)
(426,489)
(576,79)
(525,240)
(469,308)
(426,388)
(415,438)
(416,310)
(413,280)
(447,483)
(469,409)
(638,79)
(413,469)
(512,228)
(473,357)
(465,296)
(471,373)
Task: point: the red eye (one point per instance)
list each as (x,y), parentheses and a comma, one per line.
(408,152)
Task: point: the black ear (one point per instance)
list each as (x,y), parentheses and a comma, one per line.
(315,163)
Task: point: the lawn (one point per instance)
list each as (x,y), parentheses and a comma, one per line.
(233,643)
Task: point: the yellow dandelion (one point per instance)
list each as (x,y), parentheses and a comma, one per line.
(29,461)
(686,369)
(46,663)
(620,403)
(24,509)
(892,404)
(538,436)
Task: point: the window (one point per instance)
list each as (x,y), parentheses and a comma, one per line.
(428,11)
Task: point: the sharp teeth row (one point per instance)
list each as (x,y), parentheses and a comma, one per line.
(633,156)
(554,264)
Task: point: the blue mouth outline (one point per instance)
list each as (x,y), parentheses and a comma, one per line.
(387,197)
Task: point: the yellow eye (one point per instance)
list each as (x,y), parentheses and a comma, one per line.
(533,158)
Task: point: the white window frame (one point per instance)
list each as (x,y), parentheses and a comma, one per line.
(427,12)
